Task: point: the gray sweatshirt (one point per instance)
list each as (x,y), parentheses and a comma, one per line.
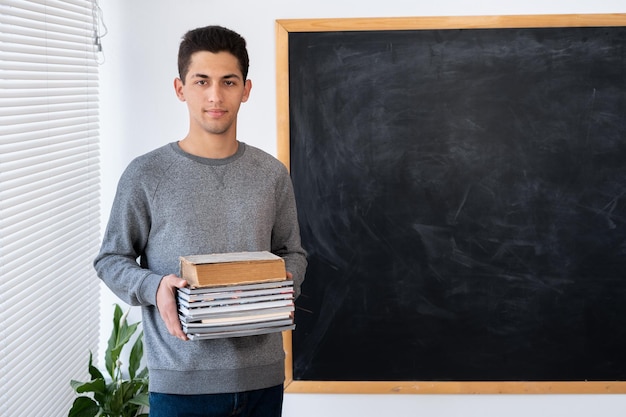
(170,204)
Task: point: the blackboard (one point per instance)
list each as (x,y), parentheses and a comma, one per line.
(462,196)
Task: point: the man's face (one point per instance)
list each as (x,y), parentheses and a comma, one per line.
(214,89)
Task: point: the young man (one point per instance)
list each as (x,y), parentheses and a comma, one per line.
(207,193)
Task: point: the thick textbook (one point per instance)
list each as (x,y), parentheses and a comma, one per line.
(233,268)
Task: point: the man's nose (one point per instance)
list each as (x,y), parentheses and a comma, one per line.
(214,94)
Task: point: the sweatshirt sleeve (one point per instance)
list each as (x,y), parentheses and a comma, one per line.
(286,232)
(118,262)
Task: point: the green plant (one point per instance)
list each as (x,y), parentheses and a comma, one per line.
(119,397)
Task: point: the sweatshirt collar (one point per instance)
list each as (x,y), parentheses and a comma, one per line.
(210,161)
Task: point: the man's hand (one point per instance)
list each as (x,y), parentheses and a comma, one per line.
(166,303)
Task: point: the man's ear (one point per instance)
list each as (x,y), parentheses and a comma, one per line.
(246,91)
(178,87)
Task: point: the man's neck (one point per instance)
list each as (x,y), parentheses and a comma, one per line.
(209,147)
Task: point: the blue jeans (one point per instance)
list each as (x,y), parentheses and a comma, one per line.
(266,402)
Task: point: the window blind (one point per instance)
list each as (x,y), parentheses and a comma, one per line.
(49,202)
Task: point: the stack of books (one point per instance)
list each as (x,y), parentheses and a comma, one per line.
(235,294)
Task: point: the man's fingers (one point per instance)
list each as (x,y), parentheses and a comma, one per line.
(166,303)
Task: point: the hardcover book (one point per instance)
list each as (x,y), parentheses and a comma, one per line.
(232,268)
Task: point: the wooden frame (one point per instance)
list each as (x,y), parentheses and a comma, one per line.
(283,28)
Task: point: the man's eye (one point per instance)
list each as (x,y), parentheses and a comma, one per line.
(201,82)
(229,83)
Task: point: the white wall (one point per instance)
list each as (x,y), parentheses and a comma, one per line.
(139,112)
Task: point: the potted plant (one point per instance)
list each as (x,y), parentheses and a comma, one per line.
(119,397)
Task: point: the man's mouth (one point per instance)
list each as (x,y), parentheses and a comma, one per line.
(215,112)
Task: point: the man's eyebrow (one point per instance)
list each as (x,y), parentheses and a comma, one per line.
(225,77)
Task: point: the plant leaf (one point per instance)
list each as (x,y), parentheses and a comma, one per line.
(93,371)
(110,357)
(97,385)
(84,407)
(125,332)
(118,399)
(143,374)
(135,356)
(141,399)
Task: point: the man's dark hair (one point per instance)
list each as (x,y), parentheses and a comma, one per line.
(212,39)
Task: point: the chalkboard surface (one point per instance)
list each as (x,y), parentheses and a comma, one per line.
(462,198)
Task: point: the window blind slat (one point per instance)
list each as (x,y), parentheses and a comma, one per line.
(38,86)
(59,115)
(67,131)
(78,140)
(49,202)
(54,47)
(15,24)
(10,88)
(8,66)
(55,25)
(45,107)
(15,33)
(25,93)
(51,127)
(80,56)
